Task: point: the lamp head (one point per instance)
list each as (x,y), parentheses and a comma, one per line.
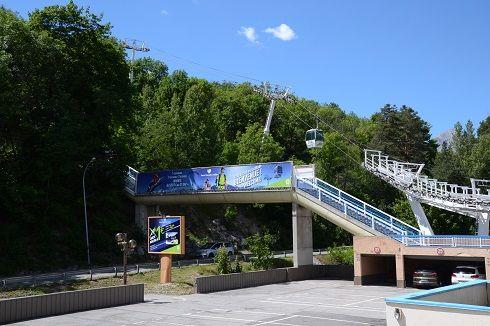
(132,244)
(120,237)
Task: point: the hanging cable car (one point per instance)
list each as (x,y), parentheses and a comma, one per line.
(314,138)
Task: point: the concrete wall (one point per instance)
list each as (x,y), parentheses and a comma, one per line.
(473,295)
(207,284)
(434,316)
(18,309)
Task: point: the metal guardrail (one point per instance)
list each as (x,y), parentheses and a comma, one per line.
(446,241)
(355,208)
(114,271)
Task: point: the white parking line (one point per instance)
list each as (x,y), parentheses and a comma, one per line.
(216,317)
(280,320)
(358,302)
(319,305)
(249,311)
(334,319)
(176,324)
(273,321)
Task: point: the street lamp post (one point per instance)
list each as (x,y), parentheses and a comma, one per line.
(126,247)
(85,209)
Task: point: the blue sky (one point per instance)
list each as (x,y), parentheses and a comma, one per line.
(431,55)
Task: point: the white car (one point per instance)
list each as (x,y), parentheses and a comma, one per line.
(467,273)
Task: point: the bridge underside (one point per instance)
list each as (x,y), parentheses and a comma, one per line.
(230,197)
(302,207)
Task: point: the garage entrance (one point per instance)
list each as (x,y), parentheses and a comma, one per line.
(443,266)
(378,270)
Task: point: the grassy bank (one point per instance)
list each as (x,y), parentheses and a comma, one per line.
(183,280)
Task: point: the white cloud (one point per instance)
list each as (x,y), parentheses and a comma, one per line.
(282,32)
(249,33)
(164,13)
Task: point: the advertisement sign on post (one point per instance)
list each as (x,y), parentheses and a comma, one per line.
(217,178)
(166,237)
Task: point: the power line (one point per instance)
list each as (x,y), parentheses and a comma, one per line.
(310,127)
(330,126)
(214,68)
(277,86)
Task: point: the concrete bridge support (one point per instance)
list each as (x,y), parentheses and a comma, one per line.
(141,213)
(302,236)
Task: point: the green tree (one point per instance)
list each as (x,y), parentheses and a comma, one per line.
(480,158)
(261,248)
(223,261)
(148,73)
(403,134)
(484,127)
(448,166)
(65,98)
(254,147)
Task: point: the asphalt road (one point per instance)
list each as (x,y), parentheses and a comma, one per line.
(304,303)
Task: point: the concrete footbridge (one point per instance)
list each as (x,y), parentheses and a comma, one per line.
(278,182)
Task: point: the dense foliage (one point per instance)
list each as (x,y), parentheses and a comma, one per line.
(65,97)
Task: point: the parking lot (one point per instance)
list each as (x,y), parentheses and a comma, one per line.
(304,303)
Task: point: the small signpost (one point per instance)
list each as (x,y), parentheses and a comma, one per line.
(166,237)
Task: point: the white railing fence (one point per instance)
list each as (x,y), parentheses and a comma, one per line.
(446,241)
(354,208)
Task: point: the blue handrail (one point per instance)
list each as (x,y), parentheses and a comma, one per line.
(355,208)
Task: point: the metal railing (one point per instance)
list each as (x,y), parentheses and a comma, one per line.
(407,177)
(445,241)
(131,180)
(355,208)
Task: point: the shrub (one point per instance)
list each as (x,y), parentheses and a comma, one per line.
(223,261)
(238,266)
(261,248)
(341,255)
(231,212)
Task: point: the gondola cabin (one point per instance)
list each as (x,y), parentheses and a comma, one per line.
(314,138)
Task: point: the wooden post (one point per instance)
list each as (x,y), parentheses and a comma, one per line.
(165,268)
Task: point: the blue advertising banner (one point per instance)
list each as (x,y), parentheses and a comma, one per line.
(165,235)
(216,178)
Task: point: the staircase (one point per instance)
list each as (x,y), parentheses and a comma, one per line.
(338,206)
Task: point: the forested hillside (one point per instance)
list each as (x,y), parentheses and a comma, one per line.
(65,97)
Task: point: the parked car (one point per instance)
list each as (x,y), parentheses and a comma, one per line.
(467,273)
(210,249)
(426,277)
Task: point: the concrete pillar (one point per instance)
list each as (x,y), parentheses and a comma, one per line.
(487,268)
(400,270)
(357,268)
(141,214)
(302,236)
(483,223)
(422,220)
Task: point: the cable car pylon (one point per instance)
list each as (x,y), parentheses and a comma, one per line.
(273,94)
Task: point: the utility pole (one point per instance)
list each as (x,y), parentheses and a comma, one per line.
(134,45)
(273,94)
